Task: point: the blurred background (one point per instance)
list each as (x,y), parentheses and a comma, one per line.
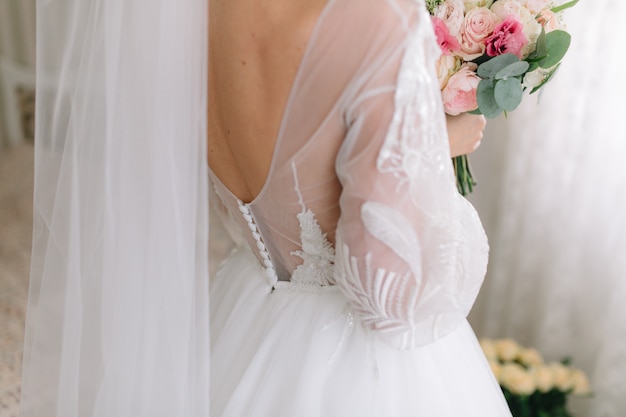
(17,99)
(551,193)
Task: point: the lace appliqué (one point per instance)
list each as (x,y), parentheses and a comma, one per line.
(415,145)
(317,254)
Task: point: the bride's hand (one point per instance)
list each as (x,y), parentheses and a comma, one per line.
(465,132)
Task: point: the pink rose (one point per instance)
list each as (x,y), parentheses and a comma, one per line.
(451,12)
(477,26)
(447,42)
(508,38)
(459,95)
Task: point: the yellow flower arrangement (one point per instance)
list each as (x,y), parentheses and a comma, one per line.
(532,387)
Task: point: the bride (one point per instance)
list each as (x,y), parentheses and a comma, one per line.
(330,163)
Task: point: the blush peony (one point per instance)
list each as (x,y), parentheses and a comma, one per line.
(508,38)
(549,20)
(459,94)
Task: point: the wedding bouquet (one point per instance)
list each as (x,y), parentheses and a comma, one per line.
(492,52)
(531,387)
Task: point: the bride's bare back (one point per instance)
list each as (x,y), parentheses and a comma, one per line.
(255,50)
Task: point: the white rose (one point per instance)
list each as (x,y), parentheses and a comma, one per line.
(532,30)
(504,8)
(535,78)
(516,379)
(507,349)
(543,378)
(452,13)
(535,6)
(472,4)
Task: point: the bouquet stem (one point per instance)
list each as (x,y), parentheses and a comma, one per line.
(464,179)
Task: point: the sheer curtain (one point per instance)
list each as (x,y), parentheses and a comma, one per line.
(552,196)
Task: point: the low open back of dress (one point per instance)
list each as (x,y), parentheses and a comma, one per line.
(366,258)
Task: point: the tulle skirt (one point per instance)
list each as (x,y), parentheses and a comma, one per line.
(295,353)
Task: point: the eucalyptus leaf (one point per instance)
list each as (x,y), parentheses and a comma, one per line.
(486,100)
(564,6)
(533,66)
(494,65)
(557,44)
(541,49)
(515,69)
(508,93)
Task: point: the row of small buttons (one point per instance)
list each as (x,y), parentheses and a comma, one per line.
(267,262)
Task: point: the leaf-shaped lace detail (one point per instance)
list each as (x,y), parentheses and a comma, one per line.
(403,315)
(394,230)
(318,255)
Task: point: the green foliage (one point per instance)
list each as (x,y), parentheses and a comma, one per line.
(431,5)
(513,70)
(464,180)
(508,93)
(538,404)
(564,6)
(485,95)
(557,44)
(501,86)
(551,48)
(490,68)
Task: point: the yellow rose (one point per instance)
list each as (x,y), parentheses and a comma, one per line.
(580,383)
(507,349)
(516,379)
(543,378)
(530,357)
(561,376)
(496,369)
(489,349)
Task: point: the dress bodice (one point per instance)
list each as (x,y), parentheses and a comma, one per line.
(361,192)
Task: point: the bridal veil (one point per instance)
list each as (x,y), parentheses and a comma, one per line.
(118,308)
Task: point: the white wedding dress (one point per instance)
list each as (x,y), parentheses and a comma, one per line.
(358,262)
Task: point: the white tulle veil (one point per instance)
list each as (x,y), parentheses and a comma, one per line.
(117,322)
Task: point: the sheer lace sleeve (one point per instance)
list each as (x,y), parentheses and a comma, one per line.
(411,253)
